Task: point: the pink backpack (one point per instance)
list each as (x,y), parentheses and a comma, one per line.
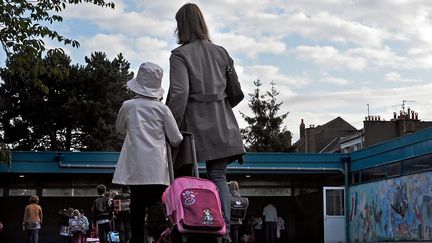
(193,205)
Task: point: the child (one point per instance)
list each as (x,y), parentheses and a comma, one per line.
(143,163)
(102,213)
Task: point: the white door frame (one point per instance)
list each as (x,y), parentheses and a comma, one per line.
(334,224)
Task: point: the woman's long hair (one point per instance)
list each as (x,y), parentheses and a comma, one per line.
(190,24)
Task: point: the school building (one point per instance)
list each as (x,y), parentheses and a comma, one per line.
(379,193)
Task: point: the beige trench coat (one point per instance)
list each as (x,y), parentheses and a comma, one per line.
(198,68)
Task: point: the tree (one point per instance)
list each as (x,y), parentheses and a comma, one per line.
(70,104)
(105,90)
(264,132)
(24,23)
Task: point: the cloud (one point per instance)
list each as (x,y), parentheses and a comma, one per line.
(120,20)
(356,59)
(249,46)
(268,73)
(333,80)
(133,49)
(330,57)
(396,78)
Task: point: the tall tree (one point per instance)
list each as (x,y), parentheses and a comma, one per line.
(105,90)
(71,104)
(265,132)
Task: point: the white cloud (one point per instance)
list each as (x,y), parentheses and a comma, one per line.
(133,49)
(333,80)
(396,77)
(249,46)
(330,57)
(357,59)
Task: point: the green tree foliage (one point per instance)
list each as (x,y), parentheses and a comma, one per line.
(105,90)
(24,23)
(58,106)
(265,132)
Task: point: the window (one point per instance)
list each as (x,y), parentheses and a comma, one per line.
(355,177)
(421,163)
(85,192)
(393,169)
(69,192)
(57,192)
(22,192)
(335,202)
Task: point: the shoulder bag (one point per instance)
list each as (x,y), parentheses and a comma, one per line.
(233,88)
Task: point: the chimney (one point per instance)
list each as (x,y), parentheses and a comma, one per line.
(302,129)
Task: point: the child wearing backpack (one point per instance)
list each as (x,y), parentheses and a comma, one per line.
(102,213)
(77,227)
(142,165)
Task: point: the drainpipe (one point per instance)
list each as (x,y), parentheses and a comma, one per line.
(347,208)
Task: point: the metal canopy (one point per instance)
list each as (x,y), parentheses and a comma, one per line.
(410,145)
(104,162)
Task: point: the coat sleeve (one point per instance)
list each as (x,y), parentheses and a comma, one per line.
(179,87)
(121,122)
(171,130)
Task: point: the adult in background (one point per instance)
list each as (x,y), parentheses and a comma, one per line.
(32,221)
(198,101)
(270,223)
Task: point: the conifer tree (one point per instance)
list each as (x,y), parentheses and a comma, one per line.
(264,132)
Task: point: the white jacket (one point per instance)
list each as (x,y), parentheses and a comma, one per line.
(143,158)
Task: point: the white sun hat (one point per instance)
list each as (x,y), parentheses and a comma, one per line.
(148,81)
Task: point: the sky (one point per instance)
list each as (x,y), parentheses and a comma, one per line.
(327,58)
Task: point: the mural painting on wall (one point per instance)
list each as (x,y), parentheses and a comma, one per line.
(392,209)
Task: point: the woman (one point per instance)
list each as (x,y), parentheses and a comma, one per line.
(198,102)
(32,220)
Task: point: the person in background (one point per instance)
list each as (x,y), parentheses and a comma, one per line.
(234,191)
(257,227)
(65,215)
(32,221)
(78,227)
(270,223)
(122,215)
(86,226)
(102,213)
(148,125)
(198,101)
(280,230)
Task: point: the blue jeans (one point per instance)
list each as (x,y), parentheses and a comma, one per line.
(32,236)
(216,172)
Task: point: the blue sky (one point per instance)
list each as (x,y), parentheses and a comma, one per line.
(328,58)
